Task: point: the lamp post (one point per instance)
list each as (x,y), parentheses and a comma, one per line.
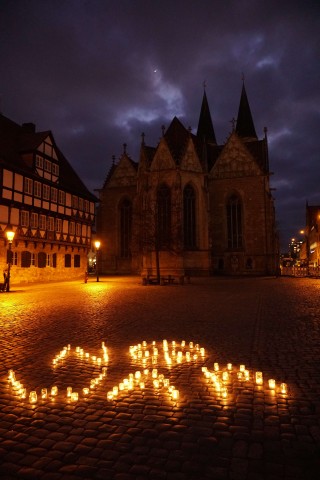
(97,245)
(306,239)
(10,236)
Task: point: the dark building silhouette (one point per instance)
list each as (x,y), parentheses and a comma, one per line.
(191,206)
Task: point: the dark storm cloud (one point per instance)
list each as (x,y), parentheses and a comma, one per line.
(98,73)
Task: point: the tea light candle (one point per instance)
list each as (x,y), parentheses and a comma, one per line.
(224,392)
(54,391)
(283,388)
(85,391)
(44,393)
(109,395)
(137,375)
(33,396)
(69,392)
(141,385)
(183,343)
(229,366)
(175,394)
(225,376)
(259,378)
(23,393)
(242,368)
(216,366)
(272,384)
(202,351)
(74,396)
(154,373)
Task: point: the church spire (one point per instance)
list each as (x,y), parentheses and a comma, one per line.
(205,127)
(245,126)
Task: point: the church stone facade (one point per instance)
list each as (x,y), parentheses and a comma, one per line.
(191,206)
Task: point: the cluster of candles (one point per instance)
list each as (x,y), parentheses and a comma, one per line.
(53,391)
(139,380)
(146,355)
(173,352)
(221,377)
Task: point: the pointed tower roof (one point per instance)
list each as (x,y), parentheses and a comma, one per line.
(245,127)
(205,127)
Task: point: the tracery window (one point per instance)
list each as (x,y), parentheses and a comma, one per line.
(163,216)
(189,217)
(234,222)
(125,227)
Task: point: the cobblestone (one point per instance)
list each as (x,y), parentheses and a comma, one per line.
(268,324)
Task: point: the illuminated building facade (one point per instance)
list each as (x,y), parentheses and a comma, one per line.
(191,206)
(45,203)
(310,253)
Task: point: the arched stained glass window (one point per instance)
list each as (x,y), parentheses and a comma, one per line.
(164,216)
(234,222)
(189,218)
(125,227)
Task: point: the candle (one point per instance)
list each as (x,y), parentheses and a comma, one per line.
(69,392)
(33,397)
(283,388)
(175,394)
(229,366)
(259,378)
(216,366)
(74,396)
(109,395)
(242,368)
(44,393)
(272,384)
(225,376)
(54,391)
(224,392)
(85,391)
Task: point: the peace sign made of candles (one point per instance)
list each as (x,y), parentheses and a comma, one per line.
(147,357)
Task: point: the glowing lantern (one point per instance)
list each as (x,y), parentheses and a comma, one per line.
(74,396)
(283,388)
(85,391)
(229,366)
(33,397)
(69,392)
(272,384)
(259,378)
(175,394)
(54,391)
(44,393)
(110,396)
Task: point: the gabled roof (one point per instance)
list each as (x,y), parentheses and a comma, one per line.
(16,140)
(176,137)
(245,126)
(205,130)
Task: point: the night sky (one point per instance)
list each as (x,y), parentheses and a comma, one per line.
(99,73)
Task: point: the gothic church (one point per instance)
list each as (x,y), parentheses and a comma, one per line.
(190,206)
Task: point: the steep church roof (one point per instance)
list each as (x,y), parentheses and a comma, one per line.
(176,137)
(205,130)
(245,126)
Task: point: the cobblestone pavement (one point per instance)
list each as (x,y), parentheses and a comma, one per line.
(270,325)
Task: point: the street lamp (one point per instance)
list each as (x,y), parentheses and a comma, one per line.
(97,245)
(306,239)
(10,236)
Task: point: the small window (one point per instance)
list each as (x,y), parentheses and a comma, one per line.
(71,228)
(37,189)
(58,225)
(42,222)
(77,261)
(24,218)
(46,192)
(62,197)
(50,224)
(28,186)
(55,169)
(54,260)
(42,260)
(67,260)
(25,259)
(75,202)
(34,220)
(47,166)
(54,195)
(78,229)
(39,161)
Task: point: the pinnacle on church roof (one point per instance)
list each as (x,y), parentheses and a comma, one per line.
(205,127)
(245,126)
